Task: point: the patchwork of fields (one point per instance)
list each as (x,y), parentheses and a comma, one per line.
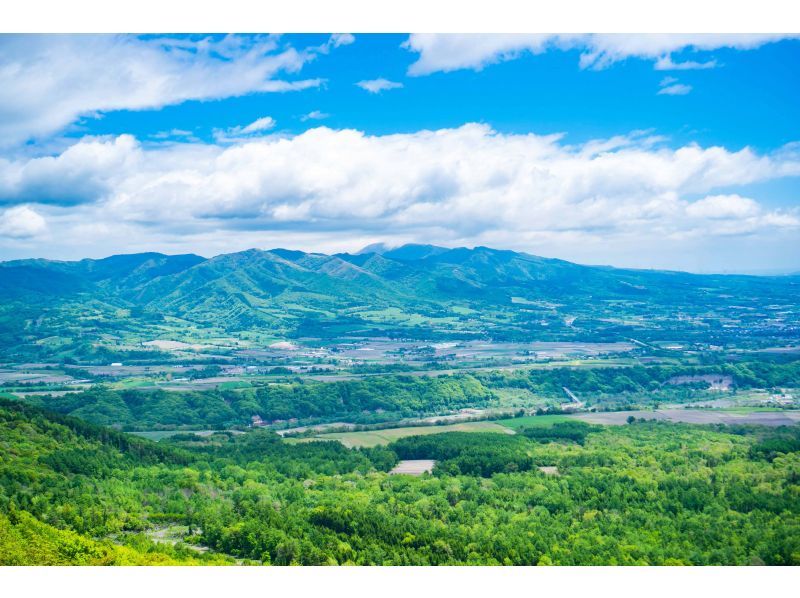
(371,438)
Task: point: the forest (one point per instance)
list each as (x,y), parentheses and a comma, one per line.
(383,398)
(644,493)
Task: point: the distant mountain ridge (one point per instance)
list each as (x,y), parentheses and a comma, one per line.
(407,252)
(417,290)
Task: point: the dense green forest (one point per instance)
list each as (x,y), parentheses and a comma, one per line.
(645,493)
(383,398)
(550,382)
(354,399)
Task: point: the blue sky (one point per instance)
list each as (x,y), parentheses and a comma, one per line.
(750,100)
(645,151)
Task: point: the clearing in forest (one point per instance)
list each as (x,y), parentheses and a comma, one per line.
(381,437)
(534,421)
(414,466)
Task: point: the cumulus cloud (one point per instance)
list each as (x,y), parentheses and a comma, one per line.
(48,82)
(21,222)
(84,172)
(378,85)
(468,183)
(723,206)
(328,189)
(450,52)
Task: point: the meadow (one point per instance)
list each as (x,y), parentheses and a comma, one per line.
(389,435)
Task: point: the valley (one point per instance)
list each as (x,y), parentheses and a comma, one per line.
(278,407)
(154,308)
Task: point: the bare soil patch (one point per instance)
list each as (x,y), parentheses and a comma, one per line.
(414,466)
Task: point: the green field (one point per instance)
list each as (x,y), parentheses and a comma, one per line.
(534,421)
(383,437)
(161,434)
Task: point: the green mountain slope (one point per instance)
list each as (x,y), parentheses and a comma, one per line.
(650,493)
(51,511)
(415,290)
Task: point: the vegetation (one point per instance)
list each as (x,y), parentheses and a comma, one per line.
(100,311)
(76,489)
(402,396)
(646,493)
(385,436)
(623,386)
(573,431)
(388,398)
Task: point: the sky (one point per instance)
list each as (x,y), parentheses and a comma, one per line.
(650,151)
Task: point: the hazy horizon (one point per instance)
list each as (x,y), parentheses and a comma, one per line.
(387,247)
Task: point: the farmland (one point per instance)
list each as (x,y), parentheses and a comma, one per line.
(387,436)
(268,425)
(698,416)
(534,421)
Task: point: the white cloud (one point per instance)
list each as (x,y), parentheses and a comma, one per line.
(670,87)
(449,52)
(676,89)
(334,189)
(314,115)
(172,133)
(378,85)
(84,172)
(342,39)
(239,133)
(723,207)
(469,184)
(262,124)
(284,86)
(21,222)
(665,63)
(48,82)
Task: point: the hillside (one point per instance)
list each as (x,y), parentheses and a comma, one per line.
(53,307)
(647,493)
(49,512)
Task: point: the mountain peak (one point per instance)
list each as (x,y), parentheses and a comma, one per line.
(406,253)
(379,248)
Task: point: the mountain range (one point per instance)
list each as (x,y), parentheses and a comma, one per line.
(412,290)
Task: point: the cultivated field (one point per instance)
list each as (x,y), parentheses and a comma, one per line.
(534,421)
(697,416)
(381,437)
